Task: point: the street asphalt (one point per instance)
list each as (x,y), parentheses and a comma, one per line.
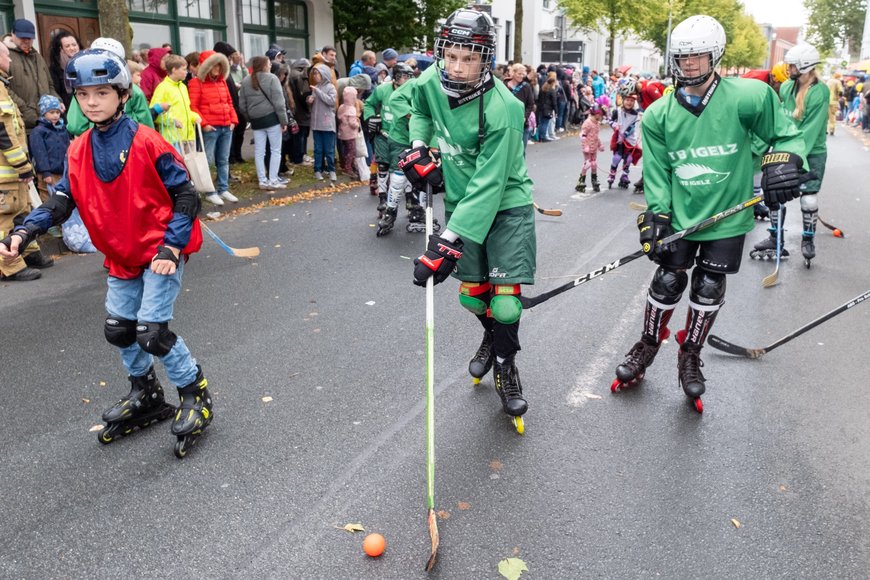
(314,353)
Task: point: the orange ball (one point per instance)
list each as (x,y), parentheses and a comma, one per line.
(838,233)
(374,545)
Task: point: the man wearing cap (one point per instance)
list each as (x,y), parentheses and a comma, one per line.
(391,57)
(276,53)
(29,74)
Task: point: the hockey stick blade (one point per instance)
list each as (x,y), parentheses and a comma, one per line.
(240,252)
(637,206)
(553,212)
(732,348)
(771,279)
(530,302)
(838,233)
(433,535)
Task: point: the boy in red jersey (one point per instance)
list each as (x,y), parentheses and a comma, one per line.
(134,195)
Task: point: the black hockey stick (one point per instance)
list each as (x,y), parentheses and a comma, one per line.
(838,233)
(732,348)
(535,300)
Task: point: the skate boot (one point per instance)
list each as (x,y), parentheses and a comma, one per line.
(387,221)
(411,200)
(581,184)
(611,178)
(596,187)
(509,388)
(373,184)
(766,249)
(633,368)
(416,220)
(762,213)
(624,181)
(144,405)
(808,249)
(481,362)
(193,415)
(382,203)
(638,186)
(691,379)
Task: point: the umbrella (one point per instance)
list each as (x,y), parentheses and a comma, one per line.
(423,60)
(624,69)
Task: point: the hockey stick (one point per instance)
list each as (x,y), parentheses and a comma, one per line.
(240,252)
(838,233)
(430,396)
(535,300)
(553,212)
(773,278)
(635,205)
(732,348)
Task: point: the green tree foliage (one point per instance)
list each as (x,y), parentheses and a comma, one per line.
(747,47)
(835,22)
(380,24)
(727,12)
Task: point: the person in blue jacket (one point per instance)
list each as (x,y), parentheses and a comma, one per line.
(48,143)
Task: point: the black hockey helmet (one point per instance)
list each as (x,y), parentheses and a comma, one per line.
(402,71)
(467,30)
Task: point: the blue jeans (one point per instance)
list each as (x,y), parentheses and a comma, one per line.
(526,134)
(544,128)
(560,118)
(299,145)
(151,298)
(273,136)
(324,148)
(217,149)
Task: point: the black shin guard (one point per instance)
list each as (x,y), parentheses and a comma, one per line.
(505,339)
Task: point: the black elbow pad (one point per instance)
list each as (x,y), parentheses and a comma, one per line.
(186,200)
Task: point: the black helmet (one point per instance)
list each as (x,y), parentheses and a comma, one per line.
(466,30)
(402,71)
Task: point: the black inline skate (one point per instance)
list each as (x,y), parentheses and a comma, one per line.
(481,362)
(581,184)
(808,249)
(766,249)
(596,187)
(689,373)
(143,406)
(382,203)
(194,414)
(387,221)
(509,388)
(638,186)
(641,355)
(624,181)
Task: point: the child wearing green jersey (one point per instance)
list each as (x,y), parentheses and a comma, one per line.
(697,145)
(489,237)
(806,101)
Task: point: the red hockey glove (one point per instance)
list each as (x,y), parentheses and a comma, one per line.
(439,261)
(421,169)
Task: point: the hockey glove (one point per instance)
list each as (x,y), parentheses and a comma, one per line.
(373,126)
(780,177)
(439,261)
(653,228)
(421,169)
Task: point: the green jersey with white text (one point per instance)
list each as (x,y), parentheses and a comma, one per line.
(697,161)
(396,112)
(479,180)
(814,120)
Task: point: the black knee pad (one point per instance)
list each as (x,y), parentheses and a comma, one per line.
(383,167)
(667,285)
(708,288)
(120,332)
(155,337)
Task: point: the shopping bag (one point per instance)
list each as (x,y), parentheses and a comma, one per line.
(360,144)
(362,168)
(197,165)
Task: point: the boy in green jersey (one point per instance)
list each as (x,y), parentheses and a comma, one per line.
(379,135)
(489,238)
(698,162)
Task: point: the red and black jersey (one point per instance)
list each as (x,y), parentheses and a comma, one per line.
(758,74)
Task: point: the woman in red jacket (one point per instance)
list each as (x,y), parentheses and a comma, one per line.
(210,99)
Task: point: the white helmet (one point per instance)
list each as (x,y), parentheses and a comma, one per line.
(110,44)
(803,56)
(694,36)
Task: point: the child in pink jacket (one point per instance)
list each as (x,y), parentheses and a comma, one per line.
(348,127)
(591,143)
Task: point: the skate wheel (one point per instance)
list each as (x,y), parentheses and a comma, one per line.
(615,385)
(699,406)
(808,264)
(182,446)
(106,436)
(519,424)
(475,381)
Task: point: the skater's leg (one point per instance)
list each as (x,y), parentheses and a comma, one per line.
(506,310)
(123,300)
(475,297)
(705,300)
(810,215)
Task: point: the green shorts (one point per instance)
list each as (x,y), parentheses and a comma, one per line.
(816,164)
(507,256)
(382,149)
(394,149)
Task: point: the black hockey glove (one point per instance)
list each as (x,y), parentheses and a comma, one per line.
(422,168)
(373,126)
(780,177)
(653,228)
(439,261)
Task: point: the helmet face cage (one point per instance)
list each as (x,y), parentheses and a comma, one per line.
(91,68)
(466,32)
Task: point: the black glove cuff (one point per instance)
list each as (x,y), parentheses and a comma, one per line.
(164,253)
(27,232)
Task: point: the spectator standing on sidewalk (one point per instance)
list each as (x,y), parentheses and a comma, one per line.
(29,78)
(262,101)
(63,47)
(49,142)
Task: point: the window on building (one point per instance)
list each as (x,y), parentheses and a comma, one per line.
(188,25)
(284,22)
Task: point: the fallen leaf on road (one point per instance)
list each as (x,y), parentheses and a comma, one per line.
(443,514)
(591,396)
(86,400)
(102,383)
(512,568)
(496,465)
(96,428)
(266,399)
(463,506)
(352,528)
(735,523)
(783,488)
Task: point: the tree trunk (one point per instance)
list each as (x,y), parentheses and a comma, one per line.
(518,31)
(612,41)
(115,22)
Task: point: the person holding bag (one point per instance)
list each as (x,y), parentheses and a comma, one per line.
(210,99)
(262,100)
